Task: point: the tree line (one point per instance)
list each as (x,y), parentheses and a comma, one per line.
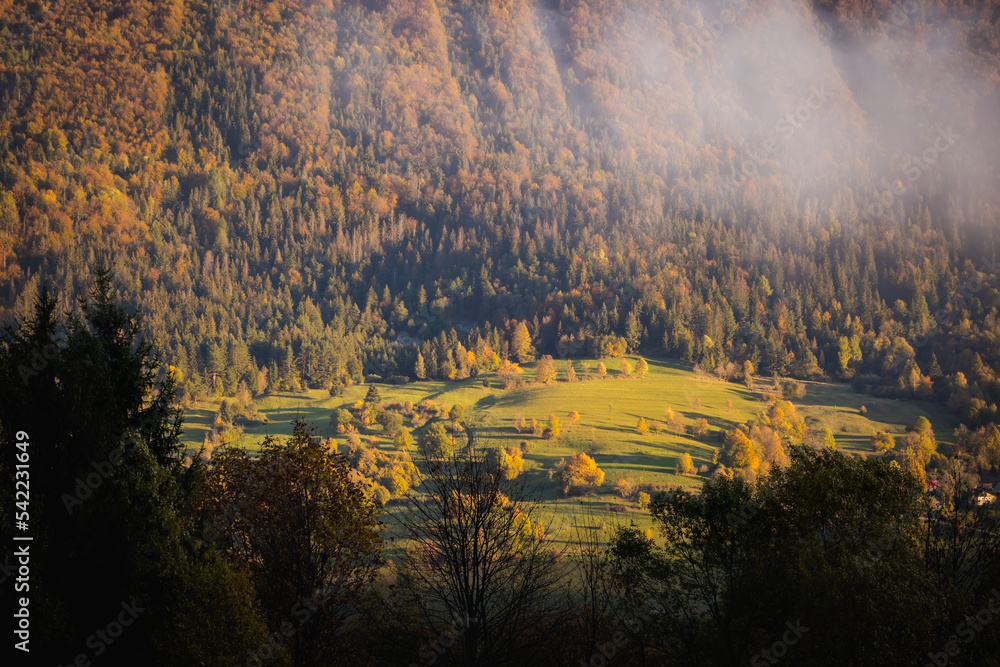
(382,189)
(282,557)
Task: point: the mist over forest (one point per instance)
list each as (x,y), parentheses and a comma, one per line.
(363,171)
(214,209)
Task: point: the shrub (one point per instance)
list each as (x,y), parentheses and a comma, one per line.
(509,460)
(792,389)
(509,374)
(435,442)
(579,470)
(570,372)
(403,439)
(883,441)
(624,488)
(685,464)
(390,422)
(515,462)
(380,494)
(545,372)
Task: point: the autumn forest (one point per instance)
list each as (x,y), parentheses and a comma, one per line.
(206,205)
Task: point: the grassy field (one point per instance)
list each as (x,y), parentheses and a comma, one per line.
(609,409)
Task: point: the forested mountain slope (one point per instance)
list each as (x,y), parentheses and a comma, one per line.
(289,189)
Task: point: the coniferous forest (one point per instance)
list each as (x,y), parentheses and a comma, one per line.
(209,202)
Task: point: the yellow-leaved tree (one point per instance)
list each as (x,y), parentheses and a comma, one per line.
(578,472)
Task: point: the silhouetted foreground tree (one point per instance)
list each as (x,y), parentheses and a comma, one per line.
(107,494)
(480,579)
(817,563)
(302,524)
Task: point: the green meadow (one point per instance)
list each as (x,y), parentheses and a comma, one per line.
(609,409)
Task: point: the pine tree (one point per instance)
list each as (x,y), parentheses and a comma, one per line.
(372,397)
(934,368)
(633,331)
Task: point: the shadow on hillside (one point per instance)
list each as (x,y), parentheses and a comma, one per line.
(714,421)
(515,397)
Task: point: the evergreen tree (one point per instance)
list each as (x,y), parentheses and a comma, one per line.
(109,495)
(373,397)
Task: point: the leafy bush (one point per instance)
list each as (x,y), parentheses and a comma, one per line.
(435,443)
(578,471)
(685,464)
